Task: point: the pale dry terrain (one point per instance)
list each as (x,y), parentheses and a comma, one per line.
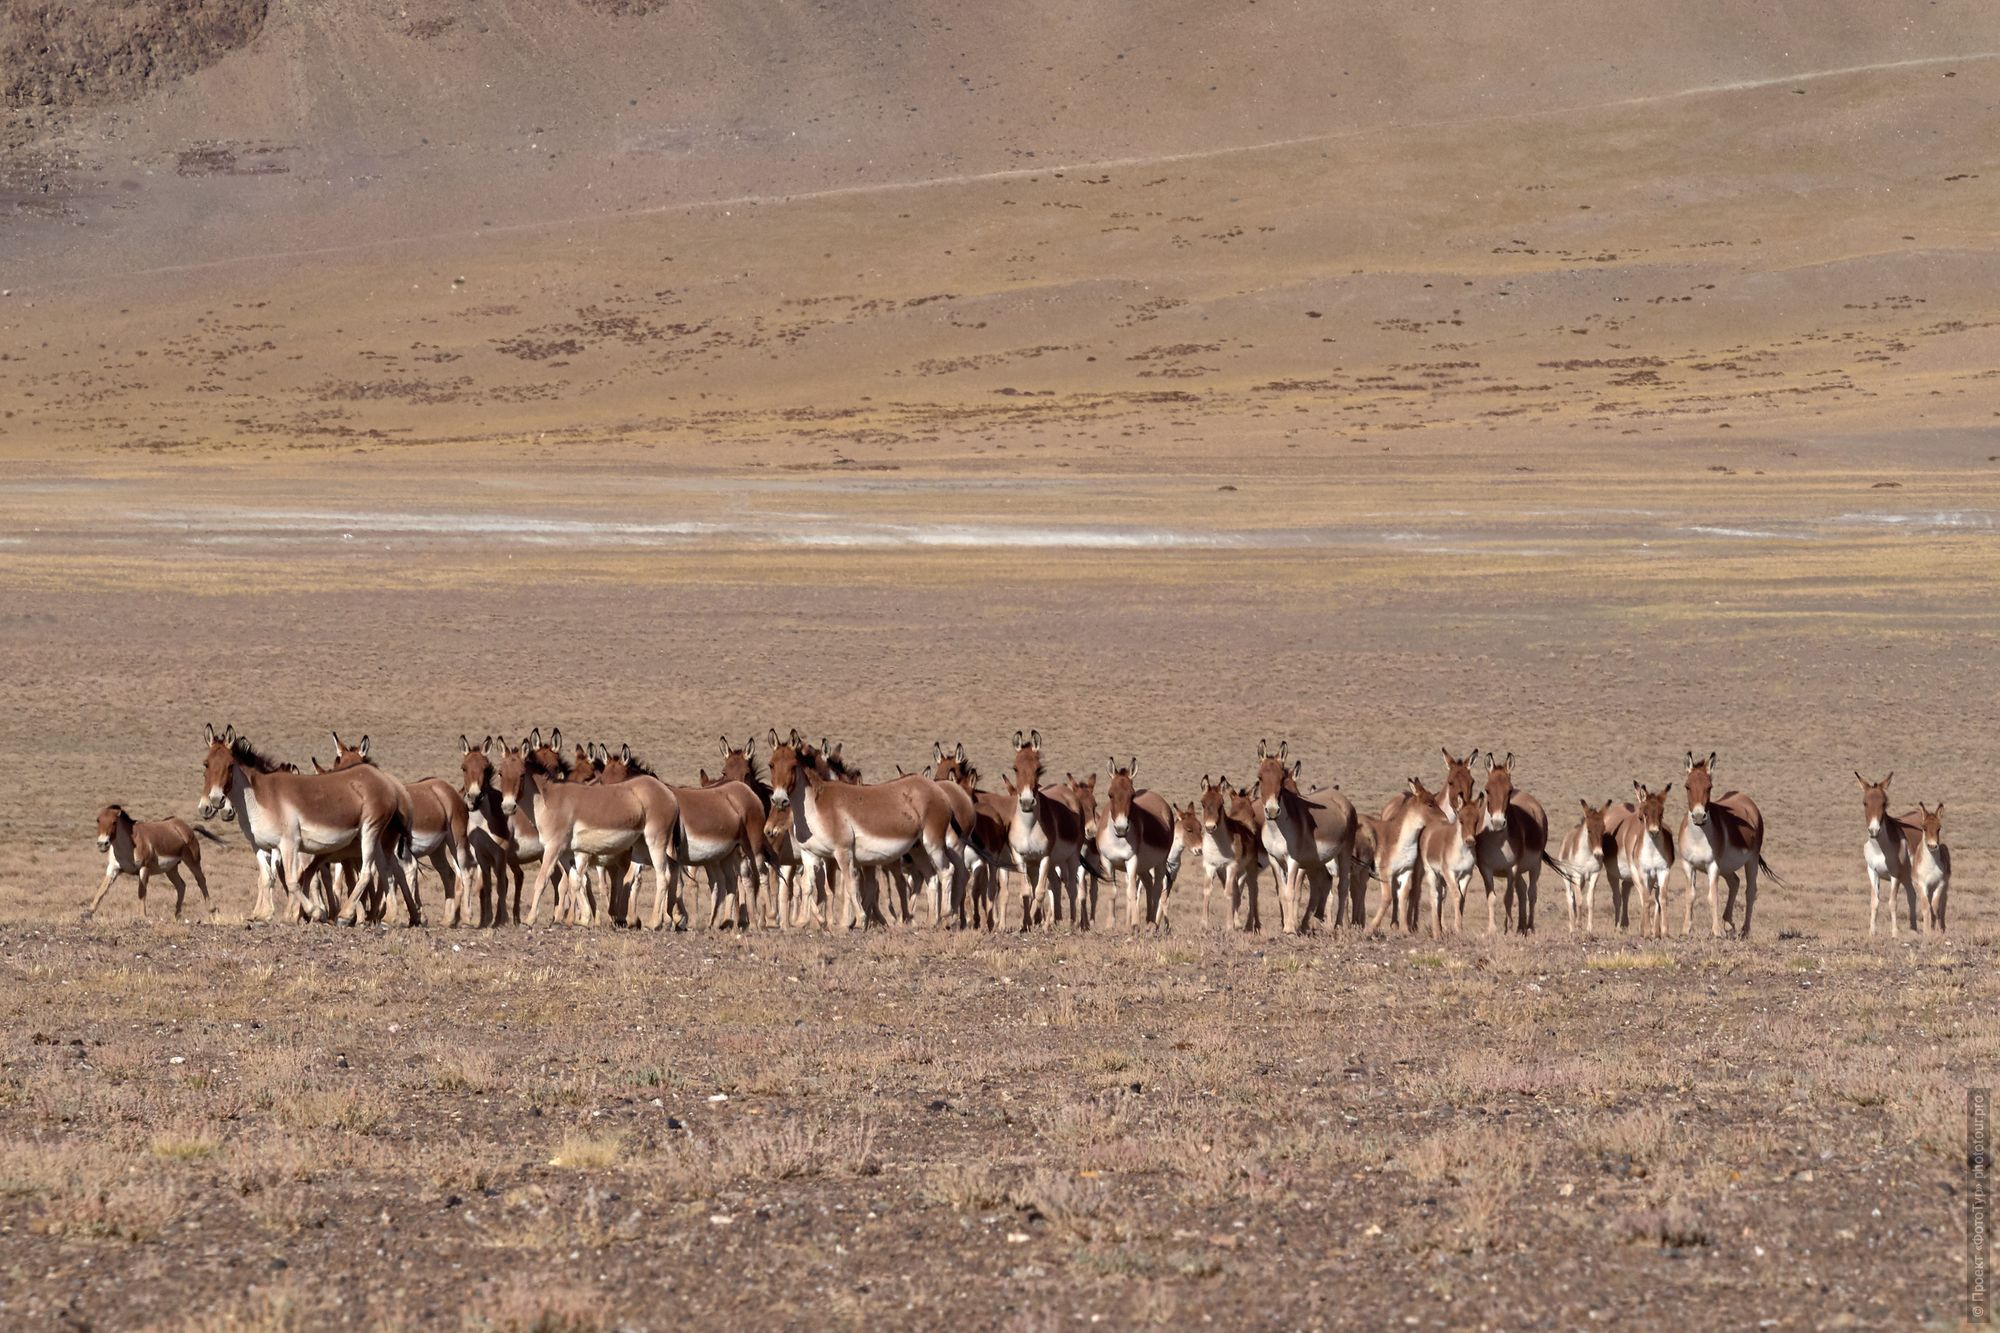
(1371,377)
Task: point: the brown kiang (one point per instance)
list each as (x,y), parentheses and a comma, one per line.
(439,829)
(1046,834)
(1137,831)
(1721,837)
(857,826)
(1904,854)
(145,848)
(589,823)
(299,816)
(1645,856)
(1310,839)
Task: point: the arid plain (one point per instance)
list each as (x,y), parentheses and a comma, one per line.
(1169,385)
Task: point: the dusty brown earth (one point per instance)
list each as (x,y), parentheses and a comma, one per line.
(1371,379)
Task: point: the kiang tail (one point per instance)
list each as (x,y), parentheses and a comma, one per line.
(1561,869)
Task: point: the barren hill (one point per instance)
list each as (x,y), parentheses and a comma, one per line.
(910,226)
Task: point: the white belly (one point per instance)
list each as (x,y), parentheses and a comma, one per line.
(1696,849)
(874,849)
(1653,865)
(702,851)
(1927,874)
(321,839)
(603,842)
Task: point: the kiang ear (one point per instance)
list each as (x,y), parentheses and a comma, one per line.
(1585,804)
(1939,812)
(959,752)
(701,776)
(625,752)
(1035,739)
(1711,761)
(749,742)
(486,746)
(1508,762)
(1019,740)
(1284,748)
(464,743)
(1298,767)
(229,734)
(1262,746)
(796,739)
(1489,763)
(364,747)
(533,740)
(1112,763)
(1690,761)
(1133,768)
(725,747)
(773,738)
(1638,786)
(208,733)
(1885,781)
(555,738)
(937,752)
(1206,785)
(1445,750)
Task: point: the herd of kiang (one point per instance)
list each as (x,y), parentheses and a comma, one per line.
(800,841)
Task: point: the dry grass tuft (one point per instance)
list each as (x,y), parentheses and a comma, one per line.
(534,1307)
(280,1309)
(1642,960)
(582,1150)
(187,1142)
(965,1187)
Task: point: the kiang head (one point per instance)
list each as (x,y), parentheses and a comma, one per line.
(1875,801)
(1499,791)
(108,820)
(1118,795)
(1275,772)
(475,769)
(1700,785)
(1027,775)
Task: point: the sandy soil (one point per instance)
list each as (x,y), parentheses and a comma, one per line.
(1371,380)
(236,1129)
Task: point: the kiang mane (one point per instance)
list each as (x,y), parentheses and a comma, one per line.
(243,752)
(558,767)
